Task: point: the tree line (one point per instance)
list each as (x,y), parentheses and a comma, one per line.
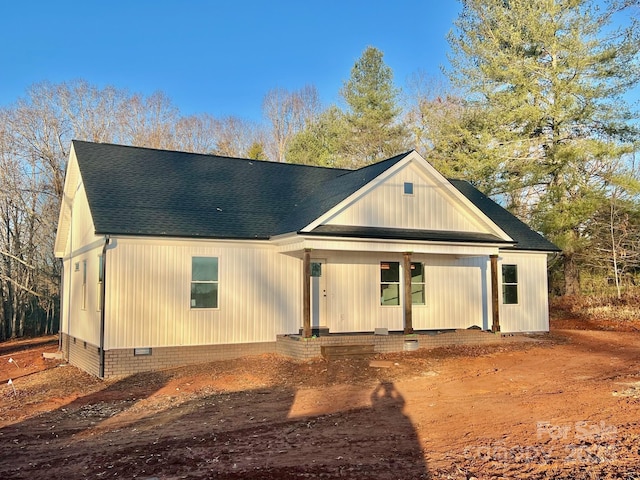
(533,112)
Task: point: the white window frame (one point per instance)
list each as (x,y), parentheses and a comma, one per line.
(423,283)
(381,283)
(215,282)
(510,284)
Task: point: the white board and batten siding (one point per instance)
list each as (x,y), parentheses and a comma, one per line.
(80,250)
(149,282)
(453,288)
(457,293)
(431,206)
(260,294)
(531,313)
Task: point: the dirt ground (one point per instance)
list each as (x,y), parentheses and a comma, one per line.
(562,405)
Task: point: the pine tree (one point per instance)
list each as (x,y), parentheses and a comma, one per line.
(256,152)
(373,115)
(549,76)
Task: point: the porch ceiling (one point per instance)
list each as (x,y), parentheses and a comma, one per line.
(407,234)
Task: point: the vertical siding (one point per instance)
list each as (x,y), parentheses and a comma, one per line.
(82,229)
(454,293)
(82,322)
(260,294)
(531,314)
(82,245)
(431,207)
(353,294)
(148,300)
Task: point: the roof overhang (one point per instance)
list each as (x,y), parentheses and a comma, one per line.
(392,242)
(403,234)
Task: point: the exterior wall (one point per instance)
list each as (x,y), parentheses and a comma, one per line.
(431,207)
(80,312)
(531,313)
(148,294)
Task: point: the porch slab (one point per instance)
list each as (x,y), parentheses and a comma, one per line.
(300,348)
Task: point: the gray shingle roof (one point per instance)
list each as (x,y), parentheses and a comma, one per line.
(141,191)
(526,238)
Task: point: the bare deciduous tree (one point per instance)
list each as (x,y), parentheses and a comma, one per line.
(35,138)
(287,114)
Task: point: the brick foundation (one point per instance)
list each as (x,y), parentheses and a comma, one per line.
(128,360)
(300,348)
(81,354)
(125,361)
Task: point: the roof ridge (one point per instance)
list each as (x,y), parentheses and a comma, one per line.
(394,159)
(226,157)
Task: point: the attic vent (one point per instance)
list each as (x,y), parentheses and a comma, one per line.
(408,188)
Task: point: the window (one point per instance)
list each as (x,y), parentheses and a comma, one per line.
(417,284)
(316,269)
(408,188)
(84,284)
(204,282)
(509,284)
(389,283)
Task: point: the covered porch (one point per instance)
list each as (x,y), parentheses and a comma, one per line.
(343,287)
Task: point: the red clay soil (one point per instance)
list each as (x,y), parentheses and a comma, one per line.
(564,405)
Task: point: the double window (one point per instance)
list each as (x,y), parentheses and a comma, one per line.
(509,284)
(390,283)
(204,282)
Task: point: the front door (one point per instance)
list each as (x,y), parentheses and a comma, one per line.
(318,293)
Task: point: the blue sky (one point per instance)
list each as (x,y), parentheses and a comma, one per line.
(218,57)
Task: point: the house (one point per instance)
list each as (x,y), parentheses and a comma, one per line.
(172,257)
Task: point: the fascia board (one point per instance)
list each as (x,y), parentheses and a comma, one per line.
(71,181)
